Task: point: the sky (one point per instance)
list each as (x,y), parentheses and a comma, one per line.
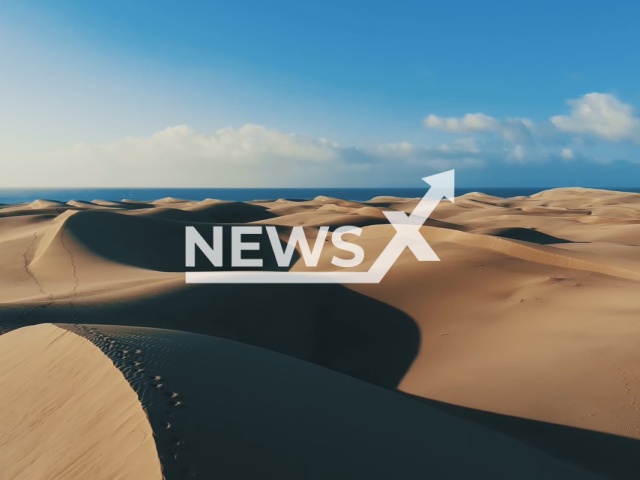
(131,93)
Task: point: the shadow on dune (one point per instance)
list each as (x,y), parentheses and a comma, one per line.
(22,212)
(157,243)
(525,234)
(222,409)
(357,222)
(328,325)
(612,456)
(230,212)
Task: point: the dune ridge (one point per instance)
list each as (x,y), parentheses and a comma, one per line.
(294,419)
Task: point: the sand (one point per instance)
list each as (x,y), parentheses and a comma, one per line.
(66,412)
(526,330)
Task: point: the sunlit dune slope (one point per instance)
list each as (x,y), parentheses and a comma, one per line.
(67,412)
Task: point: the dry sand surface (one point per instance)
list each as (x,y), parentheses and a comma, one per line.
(66,412)
(516,356)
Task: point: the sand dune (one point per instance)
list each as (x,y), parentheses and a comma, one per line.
(66,412)
(229,212)
(531,314)
(212,404)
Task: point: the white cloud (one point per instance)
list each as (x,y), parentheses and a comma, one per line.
(251,155)
(249,144)
(598,123)
(467,145)
(601,115)
(567,153)
(254,155)
(512,129)
(471,122)
(253,145)
(518,152)
(456,155)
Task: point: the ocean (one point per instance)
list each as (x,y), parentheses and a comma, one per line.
(11,195)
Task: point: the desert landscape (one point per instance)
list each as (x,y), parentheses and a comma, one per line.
(515,356)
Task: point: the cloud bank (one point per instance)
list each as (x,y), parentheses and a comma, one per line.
(598,128)
(249,156)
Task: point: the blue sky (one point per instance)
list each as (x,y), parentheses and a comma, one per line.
(334,93)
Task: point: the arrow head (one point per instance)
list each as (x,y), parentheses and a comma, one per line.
(443,183)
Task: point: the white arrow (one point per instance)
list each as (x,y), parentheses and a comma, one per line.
(408,226)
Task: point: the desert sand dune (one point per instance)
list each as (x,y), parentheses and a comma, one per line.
(170,213)
(530,235)
(170,200)
(321,218)
(288,208)
(84,204)
(66,412)
(123,204)
(44,203)
(531,313)
(230,212)
(213,404)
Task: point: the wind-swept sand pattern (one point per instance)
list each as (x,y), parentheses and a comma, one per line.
(530,316)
